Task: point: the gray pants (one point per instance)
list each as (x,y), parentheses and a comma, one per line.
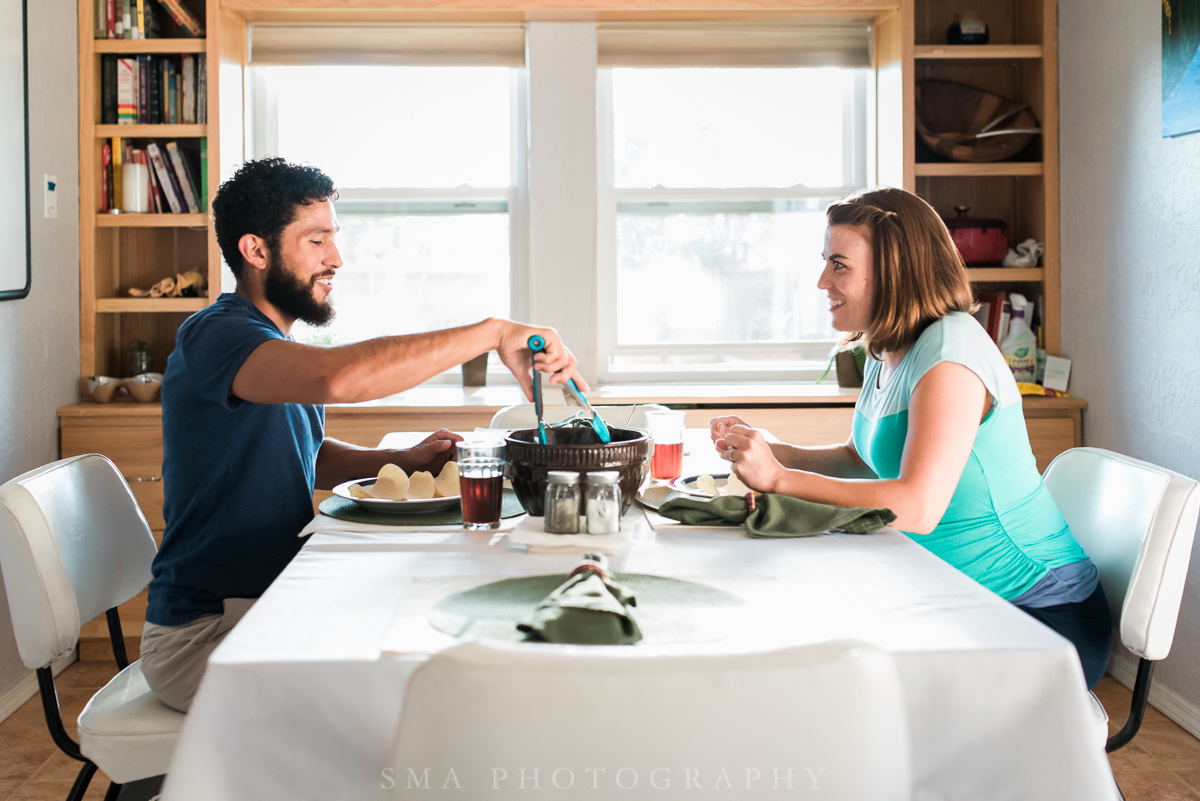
(174,658)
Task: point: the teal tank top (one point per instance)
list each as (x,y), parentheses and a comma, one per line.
(1002,527)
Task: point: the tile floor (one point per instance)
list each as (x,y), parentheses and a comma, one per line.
(1161,764)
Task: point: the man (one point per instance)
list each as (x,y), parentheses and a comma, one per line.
(243,414)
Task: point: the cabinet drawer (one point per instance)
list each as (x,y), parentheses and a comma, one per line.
(135,447)
(149,495)
(1050,436)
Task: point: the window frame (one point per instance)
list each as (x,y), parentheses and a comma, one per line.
(812,355)
(263,137)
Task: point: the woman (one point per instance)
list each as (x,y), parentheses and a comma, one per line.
(939,434)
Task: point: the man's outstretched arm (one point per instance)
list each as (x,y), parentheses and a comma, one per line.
(279,371)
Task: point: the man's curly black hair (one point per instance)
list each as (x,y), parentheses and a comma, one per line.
(262,198)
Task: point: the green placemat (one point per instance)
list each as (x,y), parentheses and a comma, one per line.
(350,511)
(669,611)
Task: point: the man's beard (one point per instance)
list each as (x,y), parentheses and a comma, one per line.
(294,297)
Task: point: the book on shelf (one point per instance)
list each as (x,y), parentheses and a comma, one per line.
(140,19)
(100,19)
(188,88)
(183,18)
(143,87)
(110,18)
(126,96)
(183,175)
(116,171)
(106,194)
(108,89)
(155,91)
(157,203)
(172,103)
(164,178)
(204,173)
(202,88)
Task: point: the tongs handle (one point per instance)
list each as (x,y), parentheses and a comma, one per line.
(536,343)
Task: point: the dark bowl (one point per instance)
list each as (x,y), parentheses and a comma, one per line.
(576,450)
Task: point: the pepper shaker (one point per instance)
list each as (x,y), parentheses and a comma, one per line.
(603,502)
(562,503)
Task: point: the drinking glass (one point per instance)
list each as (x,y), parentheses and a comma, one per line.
(481,481)
(666,431)
(480,449)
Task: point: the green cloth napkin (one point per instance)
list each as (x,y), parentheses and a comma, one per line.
(588,609)
(776,515)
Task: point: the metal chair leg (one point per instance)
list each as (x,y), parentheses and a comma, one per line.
(82,780)
(114,790)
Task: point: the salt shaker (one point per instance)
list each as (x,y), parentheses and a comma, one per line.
(562,503)
(603,502)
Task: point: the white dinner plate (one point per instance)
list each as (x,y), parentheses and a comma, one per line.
(395,507)
(687,484)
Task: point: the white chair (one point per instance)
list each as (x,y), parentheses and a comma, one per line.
(630,723)
(522,415)
(74,544)
(1136,521)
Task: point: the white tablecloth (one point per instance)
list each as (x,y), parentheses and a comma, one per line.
(301,702)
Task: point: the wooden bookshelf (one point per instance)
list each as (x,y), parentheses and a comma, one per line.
(1019,62)
(120,251)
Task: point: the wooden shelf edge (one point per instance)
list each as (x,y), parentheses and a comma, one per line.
(150,131)
(988,274)
(149,305)
(139,46)
(984,169)
(106,220)
(1031,51)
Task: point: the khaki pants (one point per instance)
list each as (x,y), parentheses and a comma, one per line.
(174,658)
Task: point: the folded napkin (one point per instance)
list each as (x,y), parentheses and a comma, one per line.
(588,609)
(776,515)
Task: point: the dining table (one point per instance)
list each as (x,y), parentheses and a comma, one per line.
(303,698)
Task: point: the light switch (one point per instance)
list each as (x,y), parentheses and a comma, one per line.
(51,197)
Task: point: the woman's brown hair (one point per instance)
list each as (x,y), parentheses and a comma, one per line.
(919,275)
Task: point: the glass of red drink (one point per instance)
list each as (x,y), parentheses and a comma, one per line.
(666,431)
(481,481)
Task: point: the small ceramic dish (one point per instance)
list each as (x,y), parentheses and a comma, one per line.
(145,387)
(102,388)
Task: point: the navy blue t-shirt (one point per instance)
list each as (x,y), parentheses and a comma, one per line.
(238,476)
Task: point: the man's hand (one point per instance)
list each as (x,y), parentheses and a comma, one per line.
(514,352)
(430,454)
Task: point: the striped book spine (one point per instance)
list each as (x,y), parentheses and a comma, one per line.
(127,105)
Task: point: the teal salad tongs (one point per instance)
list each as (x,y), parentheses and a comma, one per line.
(536,344)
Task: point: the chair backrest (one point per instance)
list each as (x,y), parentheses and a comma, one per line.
(1137,522)
(631,723)
(522,415)
(73,543)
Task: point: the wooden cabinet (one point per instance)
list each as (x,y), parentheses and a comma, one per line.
(122,251)
(1020,62)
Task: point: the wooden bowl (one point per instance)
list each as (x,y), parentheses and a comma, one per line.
(950,115)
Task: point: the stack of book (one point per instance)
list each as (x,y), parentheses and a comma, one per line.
(174,187)
(137,19)
(153,90)
(995,311)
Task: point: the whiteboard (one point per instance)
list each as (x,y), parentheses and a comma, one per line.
(14,155)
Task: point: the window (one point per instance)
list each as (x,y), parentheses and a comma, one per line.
(715,152)
(424,188)
(719,178)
